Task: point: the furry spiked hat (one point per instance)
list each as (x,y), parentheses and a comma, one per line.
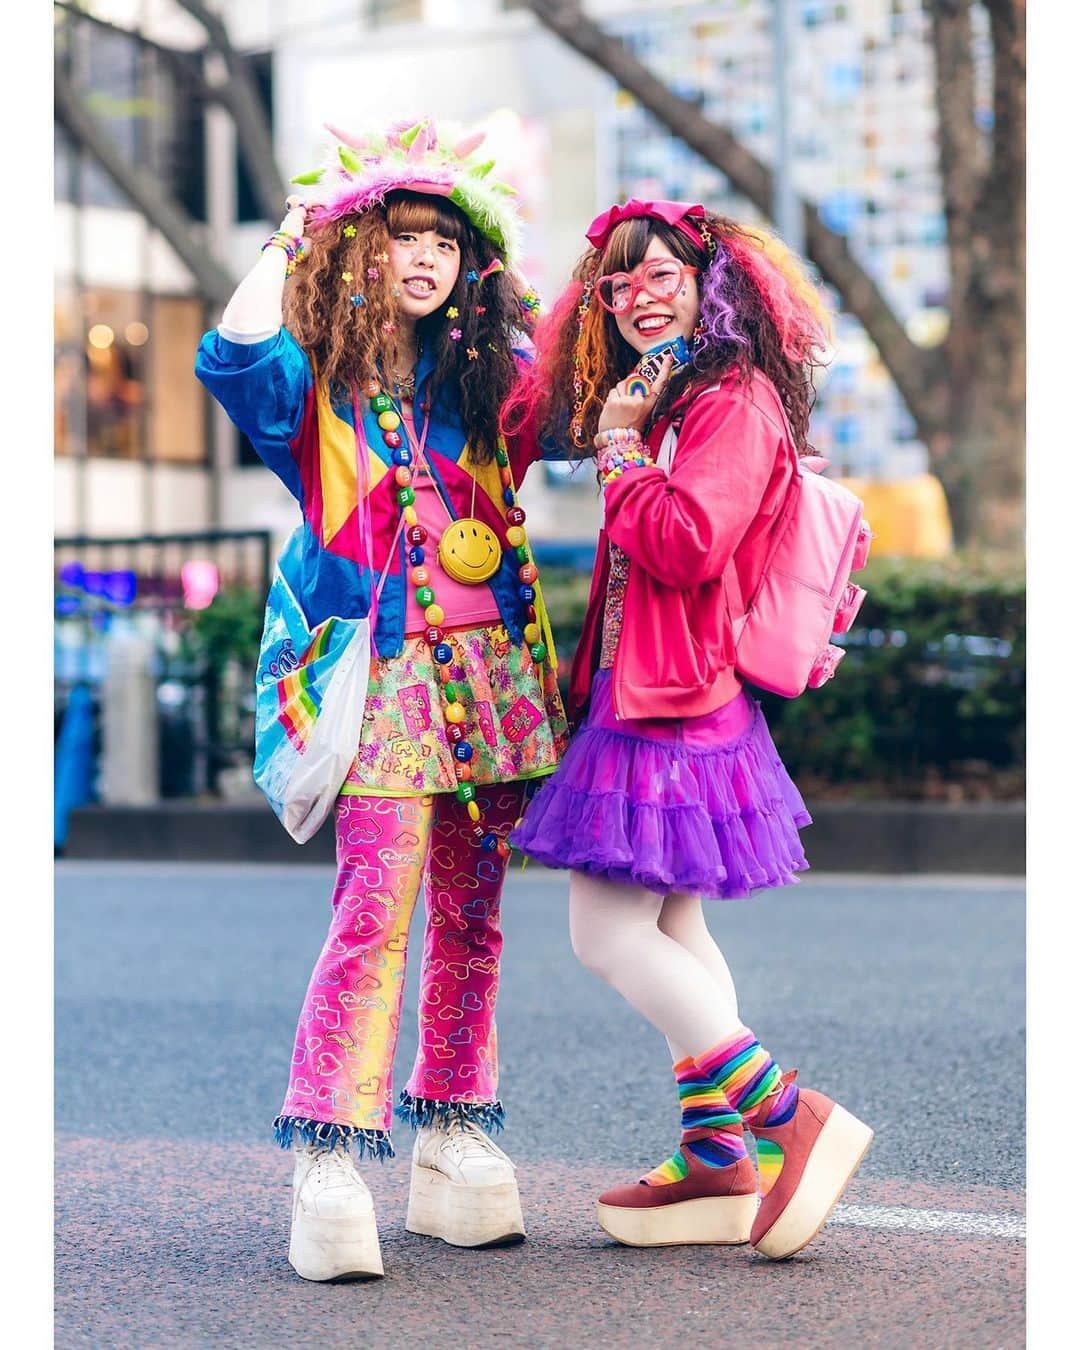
(359,170)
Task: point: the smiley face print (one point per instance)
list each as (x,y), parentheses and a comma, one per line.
(469,552)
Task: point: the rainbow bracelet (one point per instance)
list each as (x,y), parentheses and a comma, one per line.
(614,463)
(291,245)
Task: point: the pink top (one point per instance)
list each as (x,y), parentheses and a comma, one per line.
(464,606)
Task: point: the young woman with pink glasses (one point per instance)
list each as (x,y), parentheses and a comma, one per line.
(672,789)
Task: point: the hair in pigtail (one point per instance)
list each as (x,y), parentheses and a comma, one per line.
(479,362)
(592,373)
(553,338)
(337,311)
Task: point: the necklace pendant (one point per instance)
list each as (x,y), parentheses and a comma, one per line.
(469,552)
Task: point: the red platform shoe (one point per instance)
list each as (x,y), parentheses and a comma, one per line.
(805,1165)
(709,1204)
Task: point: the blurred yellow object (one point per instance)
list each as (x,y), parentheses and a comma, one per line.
(910,518)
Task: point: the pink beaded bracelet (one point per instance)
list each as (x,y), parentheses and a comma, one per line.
(614,463)
(617,436)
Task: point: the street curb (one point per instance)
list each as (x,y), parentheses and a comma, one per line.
(895,838)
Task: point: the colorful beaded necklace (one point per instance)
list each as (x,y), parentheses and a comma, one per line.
(391,423)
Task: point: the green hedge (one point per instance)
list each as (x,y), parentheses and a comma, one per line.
(929,700)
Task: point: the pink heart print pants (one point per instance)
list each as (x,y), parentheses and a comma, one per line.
(388,848)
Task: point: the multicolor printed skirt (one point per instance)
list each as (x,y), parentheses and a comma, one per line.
(514,719)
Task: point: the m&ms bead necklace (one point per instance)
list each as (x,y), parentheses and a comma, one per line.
(391,424)
(527,570)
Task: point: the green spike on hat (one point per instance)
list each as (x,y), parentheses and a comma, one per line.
(359,170)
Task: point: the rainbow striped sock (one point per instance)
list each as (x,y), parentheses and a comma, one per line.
(749,1077)
(712,1128)
(770,1159)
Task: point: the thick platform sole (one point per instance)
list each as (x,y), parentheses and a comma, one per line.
(464,1216)
(837,1152)
(721,1220)
(335,1250)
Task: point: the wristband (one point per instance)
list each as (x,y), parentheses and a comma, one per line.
(622,436)
(614,463)
(293,247)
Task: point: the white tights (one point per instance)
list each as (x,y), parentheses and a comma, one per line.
(658,954)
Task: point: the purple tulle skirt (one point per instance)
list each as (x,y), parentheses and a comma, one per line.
(703,806)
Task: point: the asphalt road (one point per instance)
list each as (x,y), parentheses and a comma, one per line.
(177,993)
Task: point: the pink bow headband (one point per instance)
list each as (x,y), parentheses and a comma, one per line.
(671,213)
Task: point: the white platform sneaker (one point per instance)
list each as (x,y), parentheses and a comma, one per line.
(333,1233)
(463,1188)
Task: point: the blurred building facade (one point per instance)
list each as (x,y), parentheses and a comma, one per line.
(140,449)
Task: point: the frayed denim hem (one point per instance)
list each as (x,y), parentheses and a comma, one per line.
(364,1143)
(421,1112)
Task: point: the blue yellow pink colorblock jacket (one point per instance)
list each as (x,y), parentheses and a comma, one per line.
(269,390)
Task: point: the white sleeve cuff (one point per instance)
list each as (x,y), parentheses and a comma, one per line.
(246,339)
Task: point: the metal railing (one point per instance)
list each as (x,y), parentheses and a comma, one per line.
(141,580)
(242,557)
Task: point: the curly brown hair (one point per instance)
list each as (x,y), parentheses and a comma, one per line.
(353,342)
(580,341)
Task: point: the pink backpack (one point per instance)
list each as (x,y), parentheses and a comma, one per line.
(805,595)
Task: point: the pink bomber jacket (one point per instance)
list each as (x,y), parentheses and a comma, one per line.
(681,530)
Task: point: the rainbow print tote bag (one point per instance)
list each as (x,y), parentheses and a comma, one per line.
(309,708)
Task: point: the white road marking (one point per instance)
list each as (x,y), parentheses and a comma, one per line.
(961,1222)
